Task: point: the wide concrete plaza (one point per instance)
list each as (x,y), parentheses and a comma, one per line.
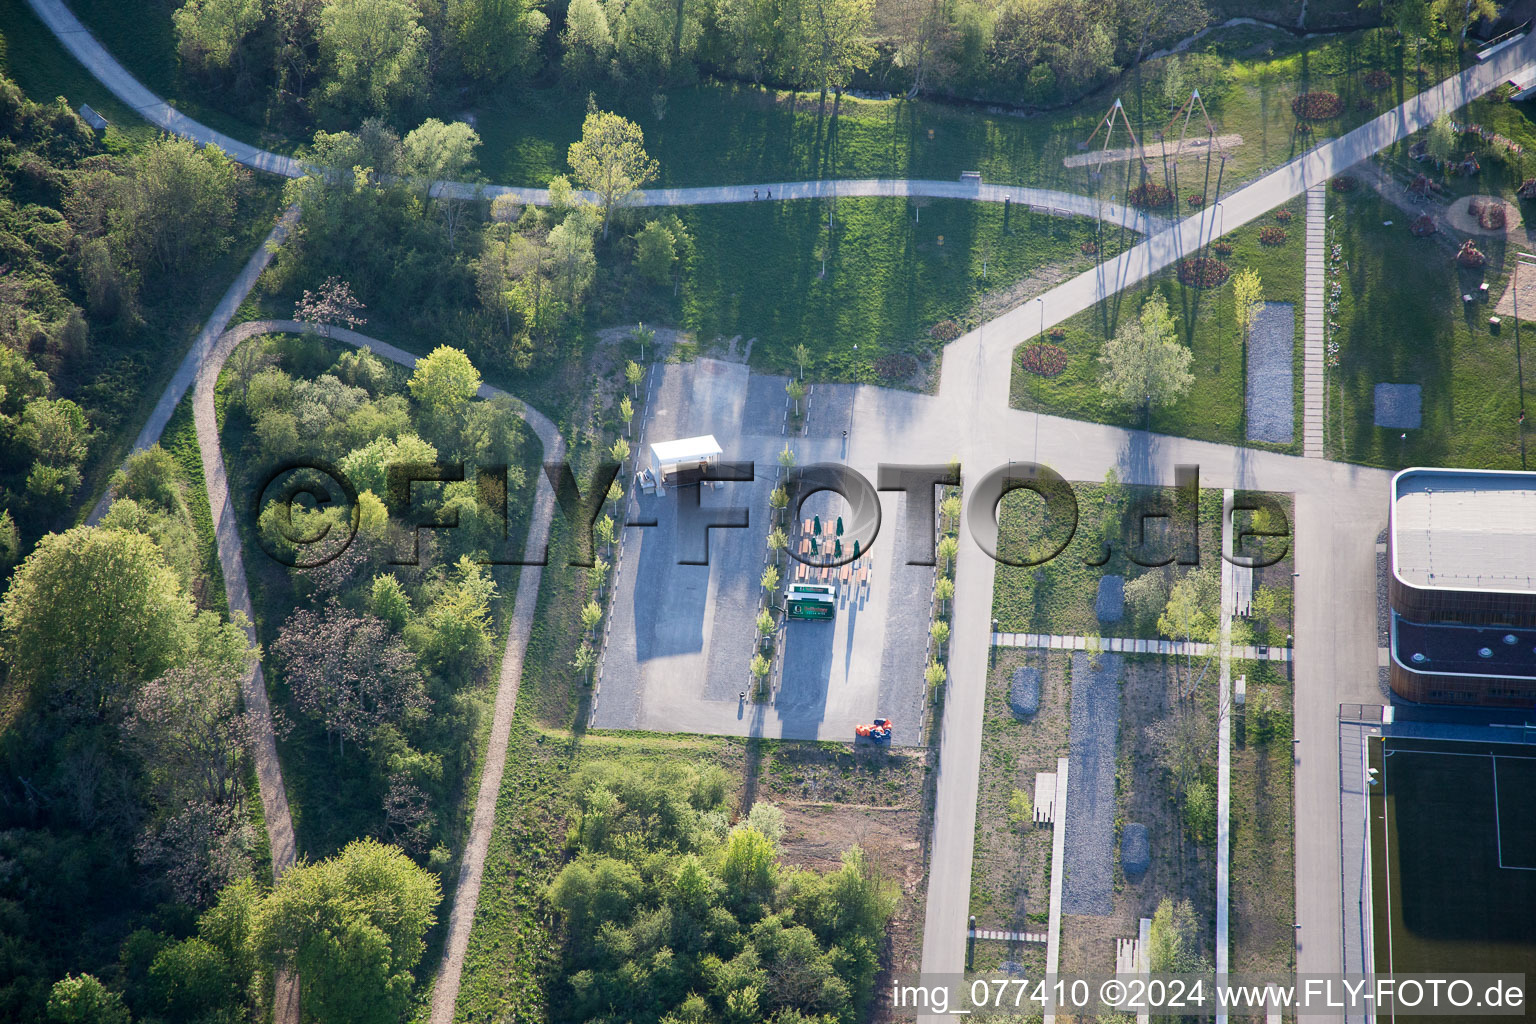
(682,635)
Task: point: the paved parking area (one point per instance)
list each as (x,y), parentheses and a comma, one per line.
(682,636)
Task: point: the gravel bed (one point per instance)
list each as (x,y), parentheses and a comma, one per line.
(1135,849)
(1109,604)
(1024,694)
(1399,406)
(1088,886)
(1271,384)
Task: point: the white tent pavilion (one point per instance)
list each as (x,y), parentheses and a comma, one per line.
(684,460)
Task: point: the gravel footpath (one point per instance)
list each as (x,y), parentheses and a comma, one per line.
(1271,384)
(1090,840)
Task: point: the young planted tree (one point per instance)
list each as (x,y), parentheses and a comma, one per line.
(777,542)
(603,530)
(770,581)
(940,633)
(778,501)
(620,452)
(760,668)
(610,160)
(626,412)
(591,615)
(802,356)
(796,391)
(1247,300)
(949,547)
(944,591)
(633,374)
(935,674)
(585,661)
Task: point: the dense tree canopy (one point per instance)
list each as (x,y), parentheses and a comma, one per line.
(353,927)
(672,915)
(93,613)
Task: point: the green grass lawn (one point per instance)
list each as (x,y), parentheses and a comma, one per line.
(889,277)
(715,133)
(1402,321)
(1213,407)
(1057,597)
(758,134)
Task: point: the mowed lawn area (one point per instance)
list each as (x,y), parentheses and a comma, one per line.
(1402,321)
(893,270)
(728,132)
(1213,409)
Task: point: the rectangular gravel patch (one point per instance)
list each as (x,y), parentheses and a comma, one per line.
(1271,388)
(1399,406)
(1089,849)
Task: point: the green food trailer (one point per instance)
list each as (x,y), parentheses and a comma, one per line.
(811,601)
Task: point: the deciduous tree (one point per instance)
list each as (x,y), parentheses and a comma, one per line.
(353,928)
(1144,364)
(91,614)
(445,380)
(377,53)
(610,160)
(348,671)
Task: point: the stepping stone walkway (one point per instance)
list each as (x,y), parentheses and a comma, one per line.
(1312,328)
(1130,645)
(1005,936)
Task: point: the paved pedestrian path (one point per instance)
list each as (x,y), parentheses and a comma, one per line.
(88,50)
(1313,342)
(1131,645)
(1224,753)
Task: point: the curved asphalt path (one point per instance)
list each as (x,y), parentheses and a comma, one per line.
(85,47)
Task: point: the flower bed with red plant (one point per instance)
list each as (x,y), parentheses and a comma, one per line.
(1090,248)
(1424,226)
(1203,272)
(1269,234)
(1283,215)
(1196,200)
(945,330)
(1044,359)
(897,366)
(1150,195)
(1317,106)
(1377,80)
(1345,183)
(1221,248)
(1057,333)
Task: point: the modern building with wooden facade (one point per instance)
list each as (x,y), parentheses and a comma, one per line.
(1461,587)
